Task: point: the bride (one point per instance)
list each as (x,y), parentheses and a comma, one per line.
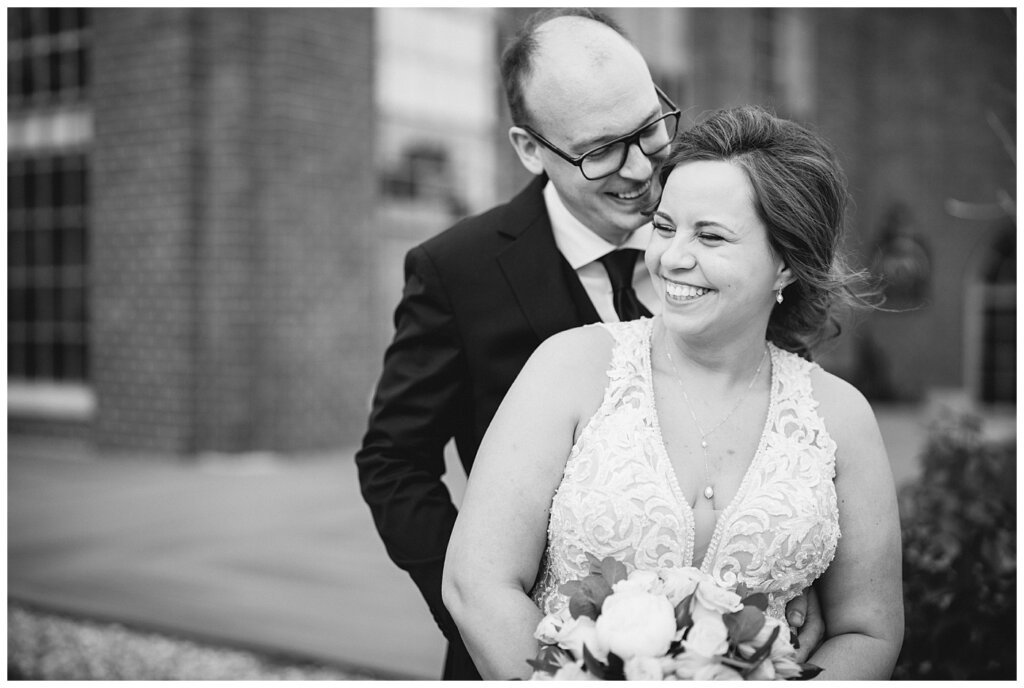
(703,436)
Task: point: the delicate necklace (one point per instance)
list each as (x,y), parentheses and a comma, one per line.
(709,490)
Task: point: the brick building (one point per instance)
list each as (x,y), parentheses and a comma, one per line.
(207,208)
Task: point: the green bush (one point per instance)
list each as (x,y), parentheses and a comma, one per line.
(959,558)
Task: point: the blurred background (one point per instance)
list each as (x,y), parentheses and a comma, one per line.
(207,215)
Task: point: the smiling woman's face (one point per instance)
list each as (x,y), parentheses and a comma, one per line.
(709,256)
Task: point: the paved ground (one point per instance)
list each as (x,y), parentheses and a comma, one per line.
(258,551)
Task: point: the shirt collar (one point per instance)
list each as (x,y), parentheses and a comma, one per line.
(578,243)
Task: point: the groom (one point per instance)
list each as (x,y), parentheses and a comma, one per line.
(481,296)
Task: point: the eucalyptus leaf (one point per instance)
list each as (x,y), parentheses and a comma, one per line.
(757,599)
(613,570)
(593,665)
(808,671)
(683,616)
(744,625)
(762,651)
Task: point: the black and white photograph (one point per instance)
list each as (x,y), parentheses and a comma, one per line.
(390,343)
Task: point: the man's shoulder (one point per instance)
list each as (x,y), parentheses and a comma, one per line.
(492,227)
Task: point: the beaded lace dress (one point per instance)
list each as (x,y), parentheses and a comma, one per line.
(619,495)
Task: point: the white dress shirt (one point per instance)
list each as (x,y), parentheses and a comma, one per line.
(583,249)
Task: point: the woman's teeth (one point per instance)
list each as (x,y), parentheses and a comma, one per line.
(684,291)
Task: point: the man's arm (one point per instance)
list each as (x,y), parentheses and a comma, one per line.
(402,457)
(804,616)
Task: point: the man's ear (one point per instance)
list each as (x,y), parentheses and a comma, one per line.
(527,149)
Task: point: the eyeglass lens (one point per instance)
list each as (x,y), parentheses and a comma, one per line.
(610,159)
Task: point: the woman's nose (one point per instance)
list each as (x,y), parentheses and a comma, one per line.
(637,166)
(679,254)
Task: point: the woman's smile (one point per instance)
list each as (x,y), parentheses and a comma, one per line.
(679,292)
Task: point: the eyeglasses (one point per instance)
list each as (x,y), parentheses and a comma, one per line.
(608,158)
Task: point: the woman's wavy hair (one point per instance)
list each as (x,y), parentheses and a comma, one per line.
(800,194)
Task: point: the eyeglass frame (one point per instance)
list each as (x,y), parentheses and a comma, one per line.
(628,139)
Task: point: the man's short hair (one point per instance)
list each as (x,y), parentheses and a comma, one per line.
(517,58)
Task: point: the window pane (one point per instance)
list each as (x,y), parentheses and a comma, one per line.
(14,77)
(52,20)
(70,18)
(28,81)
(41,248)
(72,185)
(17,358)
(44,307)
(53,61)
(83,68)
(17,306)
(16,24)
(17,247)
(72,305)
(43,187)
(15,186)
(74,361)
(43,354)
(71,246)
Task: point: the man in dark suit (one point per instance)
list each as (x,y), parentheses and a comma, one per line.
(481,296)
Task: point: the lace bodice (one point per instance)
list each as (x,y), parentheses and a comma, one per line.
(619,495)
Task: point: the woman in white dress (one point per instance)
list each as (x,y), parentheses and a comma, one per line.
(704,436)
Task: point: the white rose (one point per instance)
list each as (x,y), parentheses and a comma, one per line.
(638,581)
(636,623)
(573,672)
(708,636)
(786,668)
(579,632)
(717,672)
(643,669)
(689,663)
(547,629)
(718,599)
(781,648)
(677,583)
(765,671)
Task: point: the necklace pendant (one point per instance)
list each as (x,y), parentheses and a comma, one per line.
(704,444)
(709,492)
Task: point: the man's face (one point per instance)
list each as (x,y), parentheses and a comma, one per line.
(577,121)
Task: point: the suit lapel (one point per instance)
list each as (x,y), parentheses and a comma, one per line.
(547,289)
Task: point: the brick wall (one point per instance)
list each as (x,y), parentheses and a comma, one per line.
(142,229)
(232,195)
(904,95)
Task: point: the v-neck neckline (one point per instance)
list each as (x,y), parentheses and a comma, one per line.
(759,453)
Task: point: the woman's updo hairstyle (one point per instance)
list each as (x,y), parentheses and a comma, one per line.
(801,197)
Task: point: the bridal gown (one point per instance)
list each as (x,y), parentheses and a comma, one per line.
(619,495)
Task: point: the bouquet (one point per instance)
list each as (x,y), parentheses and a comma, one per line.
(668,624)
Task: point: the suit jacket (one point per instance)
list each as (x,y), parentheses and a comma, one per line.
(478,299)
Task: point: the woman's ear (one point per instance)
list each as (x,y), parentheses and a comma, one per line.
(784,278)
(527,149)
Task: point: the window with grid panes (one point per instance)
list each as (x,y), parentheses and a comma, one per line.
(47,200)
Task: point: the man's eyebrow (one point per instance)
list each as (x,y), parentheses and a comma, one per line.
(598,141)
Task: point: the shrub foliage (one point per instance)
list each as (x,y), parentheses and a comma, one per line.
(959,558)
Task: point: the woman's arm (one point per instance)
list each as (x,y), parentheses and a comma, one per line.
(862,590)
(499,537)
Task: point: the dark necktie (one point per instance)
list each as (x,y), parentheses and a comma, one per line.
(619,265)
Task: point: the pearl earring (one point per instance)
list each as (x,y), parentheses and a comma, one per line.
(778,296)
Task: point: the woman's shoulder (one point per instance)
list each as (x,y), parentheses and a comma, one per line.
(587,344)
(847,413)
(592,344)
